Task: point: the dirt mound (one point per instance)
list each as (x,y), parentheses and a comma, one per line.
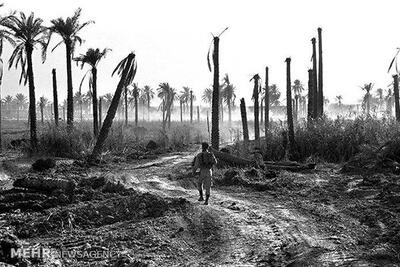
(255,178)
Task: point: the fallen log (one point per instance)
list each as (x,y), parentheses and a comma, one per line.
(230,159)
(294,167)
(45,184)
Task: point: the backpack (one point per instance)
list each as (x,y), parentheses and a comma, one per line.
(206,160)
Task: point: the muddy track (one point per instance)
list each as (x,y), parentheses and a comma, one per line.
(241,226)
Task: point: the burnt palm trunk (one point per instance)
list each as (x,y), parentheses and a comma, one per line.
(229,104)
(198,114)
(70,96)
(55,96)
(148,106)
(41,114)
(310,107)
(181,109)
(94,103)
(191,106)
(105,129)
(314,80)
(126,105)
(396,97)
(243,113)
(289,110)
(261,111)
(100,111)
(136,109)
(256,109)
(266,119)
(320,74)
(32,100)
(215,98)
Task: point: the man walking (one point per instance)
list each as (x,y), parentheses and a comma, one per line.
(204,161)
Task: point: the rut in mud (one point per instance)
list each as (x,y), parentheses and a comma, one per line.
(155,220)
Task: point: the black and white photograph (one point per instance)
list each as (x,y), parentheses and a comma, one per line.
(199,133)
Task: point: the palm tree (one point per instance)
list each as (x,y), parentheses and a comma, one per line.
(314,80)
(42,104)
(108,99)
(135,94)
(367,97)
(289,107)
(243,114)
(311,104)
(320,75)
(149,93)
(229,96)
(20,101)
(216,88)
(185,97)
(396,96)
(55,96)
(167,95)
(207,96)
(274,95)
(92,58)
(78,99)
(127,71)
(266,101)
(27,33)
(8,101)
(256,91)
(68,29)
(339,100)
(379,94)
(389,102)
(297,90)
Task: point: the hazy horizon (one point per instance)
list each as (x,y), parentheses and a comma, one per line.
(171,39)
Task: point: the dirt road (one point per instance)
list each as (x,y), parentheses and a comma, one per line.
(241,227)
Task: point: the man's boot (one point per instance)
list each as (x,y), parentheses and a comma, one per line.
(207,197)
(201,195)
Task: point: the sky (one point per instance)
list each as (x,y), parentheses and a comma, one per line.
(171,39)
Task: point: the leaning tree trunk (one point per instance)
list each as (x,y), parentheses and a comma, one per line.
(266,119)
(191,106)
(136,110)
(32,101)
(256,111)
(105,129)
(55,97)
(320,74)
(243,113)
(100,111)
(396,97)
(94,102)
(126,105)
(314,80)
(215,98)
(310,107)
(70,96)
(289,107)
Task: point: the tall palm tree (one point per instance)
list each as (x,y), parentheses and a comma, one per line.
(135,94)
(69,29)
(389,102)
(207,96)
(216,89)
(55,96)
(256,91)
(314,80)
(127,71)
(367,97)
(42,104)
(396,96)
(320,75)
(8,101)
(185,97)
(27,32)
(149,93)
(310,108)
(229,96)
(20,101)
(92,58)
(266,101)
(168,95)
(289,107)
